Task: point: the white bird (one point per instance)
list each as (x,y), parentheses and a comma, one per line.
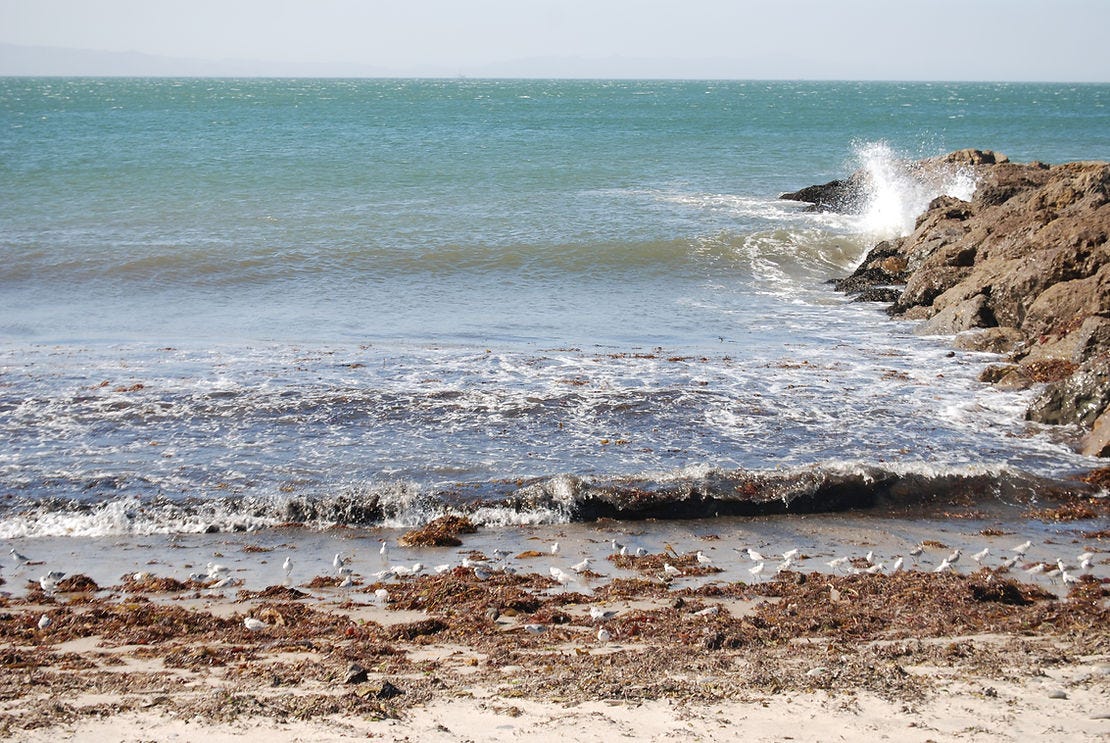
(896,566)
(481,574)
(671,569)
(441,569)
(753,555)
(535,629)
(1068,578)
(1085,560)
(916,551)
(1009,562)
(641,552)
(756,570)
(338,561)
(221,583)
(381,596)
(384,552)
(560,576)
(709,611)
(216,570)
(1022,548)
(874,569)
(600,615)
(287,566)
(580,567)
(870,557)
(785,565)
(615,545)
(702,559)
(555,548)
(347,582)
(1036,569)
(48,584)
(44,622)
(978,556)
(953,558)
(254,625)
(944,565)
(20,559)
(837,563)
(790,554)
(603,635)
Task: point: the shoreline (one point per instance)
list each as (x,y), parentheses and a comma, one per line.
(714,652)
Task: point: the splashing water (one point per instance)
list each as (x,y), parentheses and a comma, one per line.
(897,192)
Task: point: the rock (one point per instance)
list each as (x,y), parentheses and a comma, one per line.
(1022,268)
(356,674)
(971,313)
(1079,398)
(1097,442)
(388,691)
(844,196)
(990,340)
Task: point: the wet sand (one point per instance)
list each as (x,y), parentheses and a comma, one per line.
(512,651)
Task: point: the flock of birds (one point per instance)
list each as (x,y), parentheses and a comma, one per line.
(756,566)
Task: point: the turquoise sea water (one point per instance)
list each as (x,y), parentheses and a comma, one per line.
(256,290)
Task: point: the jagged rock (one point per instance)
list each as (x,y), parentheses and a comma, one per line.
(990,340)
(846,196)
(1097,442)
(1025,264)
(1080,398)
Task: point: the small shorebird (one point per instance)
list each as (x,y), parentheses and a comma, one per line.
(535,629)
(709,611)
(381,597)
(1022,548)
(580,567)
(20,559)
(755,571)
(837,563)
(481,574)
(383,553)
(702,559)
(254,625)
(671,569)
(894,568)
(604,635)
(1085,560)
(978,556)
(953,558)
(1035,569)
(555,548)
(790,554)
(753,555)
(44,622)
(944,565)
(287,566)
(600,615)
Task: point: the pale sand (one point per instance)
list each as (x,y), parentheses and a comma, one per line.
(1023,673)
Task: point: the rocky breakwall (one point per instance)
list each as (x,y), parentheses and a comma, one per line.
(1021,269)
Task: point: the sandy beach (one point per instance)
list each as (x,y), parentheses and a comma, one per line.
(509,642)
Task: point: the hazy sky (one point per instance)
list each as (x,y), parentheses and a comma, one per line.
(819,39)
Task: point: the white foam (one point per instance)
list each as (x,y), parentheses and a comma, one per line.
(898,194)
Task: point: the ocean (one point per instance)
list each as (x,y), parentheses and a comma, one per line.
(234,304)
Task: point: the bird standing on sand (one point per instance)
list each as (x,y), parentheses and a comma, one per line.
(894,568)
(383,553)
(580,567)
(756,570)
(837,563)
(978,556)
(287,566)
(254,625)
(555,548)
(917,551)
(953,558)
(600,615)
(1085,560)
(1022,548)
(671,570)
(702,559)
(790,554)
(603,635)
(44,622)
(753,555)
(20,559)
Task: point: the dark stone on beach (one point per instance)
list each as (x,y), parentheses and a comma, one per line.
(1024,266)
(388,691)
(356,674)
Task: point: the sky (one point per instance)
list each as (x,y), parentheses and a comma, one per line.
(1022,40)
